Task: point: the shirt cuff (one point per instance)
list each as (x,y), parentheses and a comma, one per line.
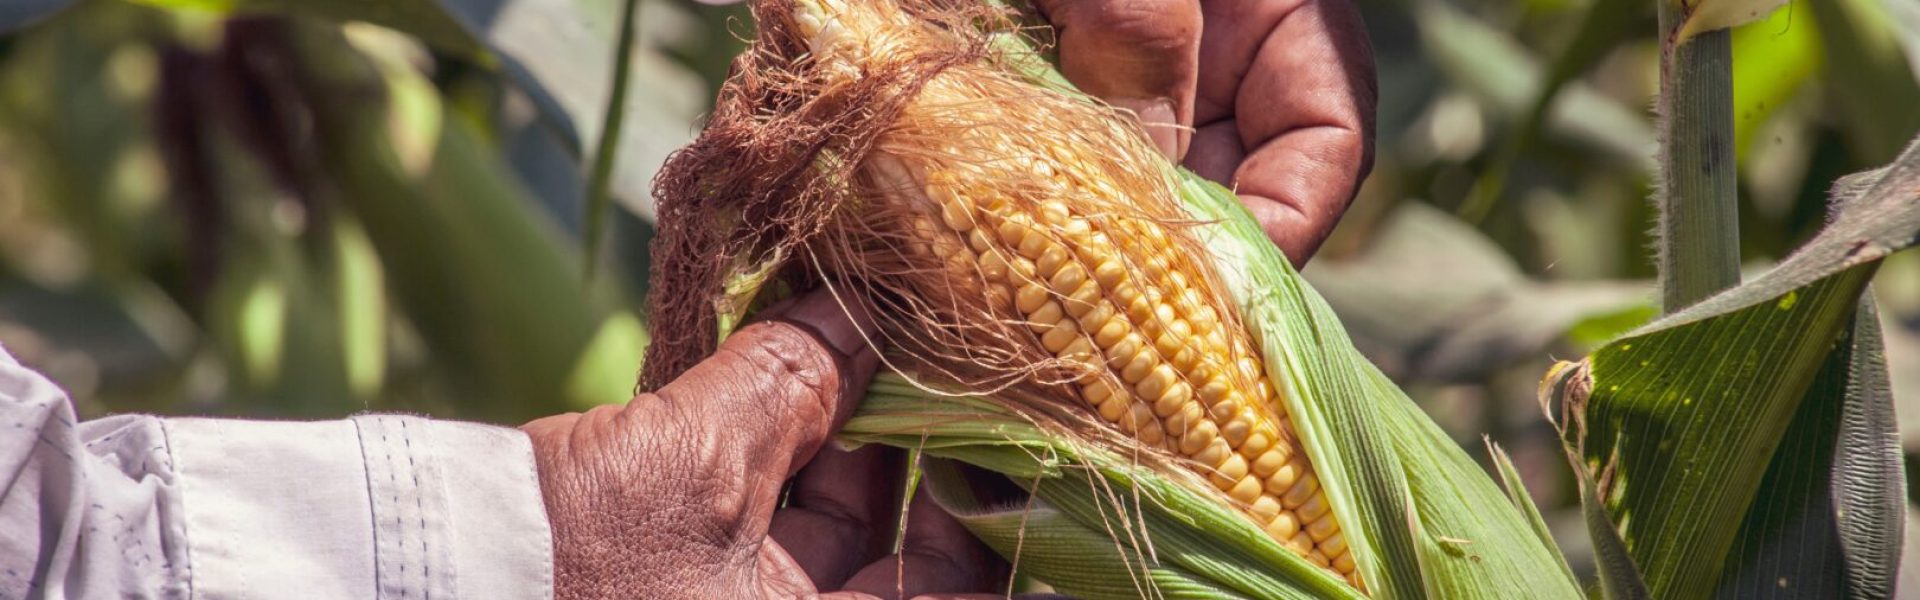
(450,509)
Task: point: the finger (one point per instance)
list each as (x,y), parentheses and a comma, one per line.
(1284,112)
(937,555)
(774,309)
(781,576)
(1139,55)
(774,390)
(840,511)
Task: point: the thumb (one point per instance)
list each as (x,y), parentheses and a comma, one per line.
(647,498)
(785,383)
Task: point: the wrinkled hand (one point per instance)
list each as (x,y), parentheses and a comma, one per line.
(674,495)
(1273,98)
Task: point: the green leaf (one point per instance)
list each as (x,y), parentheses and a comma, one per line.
(1830,508)
(360,293)
(419,18)
(1433,300)
(1772,61)
(1094,512)
(608,150)
(1619,578)
(558,52)
(1046,540)
(1668,422)
(561,52)
(1709,15)
(1873,85)
(132,331)
(482,274)
(1503,75)
(1606,24)
(1523,501)
(1603,27)
(75,100)
(1425,514)
(1905,25)
(1868,476)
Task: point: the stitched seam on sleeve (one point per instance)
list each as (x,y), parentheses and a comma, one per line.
(420,512)
(393,482)
(180,478)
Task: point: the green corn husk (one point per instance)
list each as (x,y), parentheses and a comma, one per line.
(744,207)
(1436,525)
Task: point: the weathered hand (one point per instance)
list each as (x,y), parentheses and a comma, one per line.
(1273,98)
(674,495)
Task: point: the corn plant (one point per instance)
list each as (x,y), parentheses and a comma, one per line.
(1671,448)
(388,259)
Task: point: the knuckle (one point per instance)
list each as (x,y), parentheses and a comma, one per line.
(788,364)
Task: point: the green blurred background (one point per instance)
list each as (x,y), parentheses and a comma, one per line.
(305,209)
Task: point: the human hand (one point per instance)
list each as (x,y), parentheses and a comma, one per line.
(674,495)
(1273,98)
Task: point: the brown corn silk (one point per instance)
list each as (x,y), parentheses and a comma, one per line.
(1016,239)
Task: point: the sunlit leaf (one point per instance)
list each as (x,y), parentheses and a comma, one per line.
(1432,299)
(487,279)
(1494,67)
(605,371)
(1709,15)
(1604,26)
(1666,423)
(1873,86)
(560,53)
(1773,59)
(361,292)
(563,52)
(1829,512)
(607,152)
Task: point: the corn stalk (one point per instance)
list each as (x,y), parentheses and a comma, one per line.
(1698,202)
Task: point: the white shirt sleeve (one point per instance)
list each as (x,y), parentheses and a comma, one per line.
(376,506)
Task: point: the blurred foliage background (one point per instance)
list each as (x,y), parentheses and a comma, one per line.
(308,209)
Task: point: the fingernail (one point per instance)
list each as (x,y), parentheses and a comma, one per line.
(1157,117)
(842,320)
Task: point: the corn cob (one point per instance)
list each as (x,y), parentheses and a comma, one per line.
(1164,366)
(1103,282)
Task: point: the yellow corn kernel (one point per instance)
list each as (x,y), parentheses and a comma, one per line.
(1160,362)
